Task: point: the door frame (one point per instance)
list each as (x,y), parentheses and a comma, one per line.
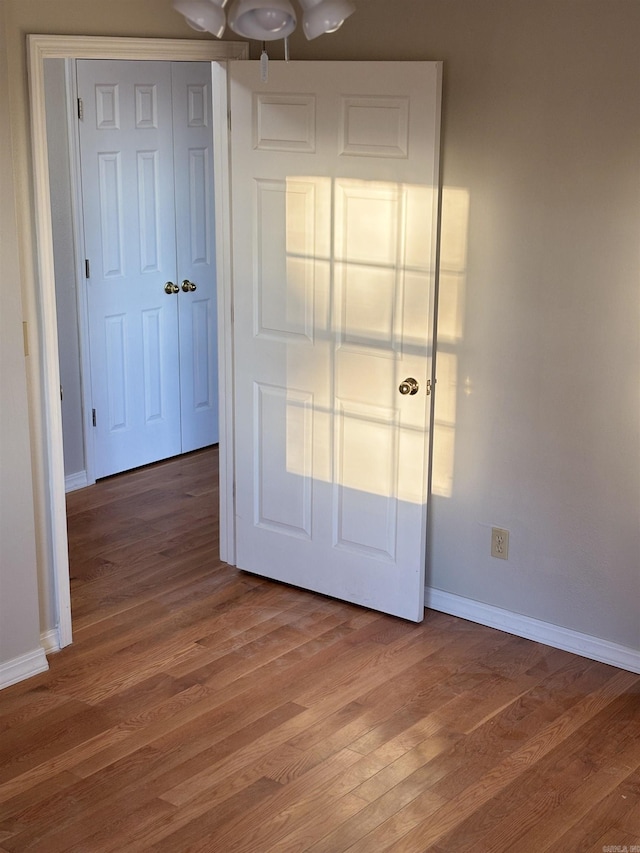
(41,47)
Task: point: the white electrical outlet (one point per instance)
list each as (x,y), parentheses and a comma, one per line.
(499,543)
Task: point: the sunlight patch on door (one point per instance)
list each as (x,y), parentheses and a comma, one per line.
(354,270)
(284,278)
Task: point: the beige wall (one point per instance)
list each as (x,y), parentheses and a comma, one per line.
(19,622)
(538,397)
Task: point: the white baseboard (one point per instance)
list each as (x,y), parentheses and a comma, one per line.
(534,629)
(50,641)
(23,667)
(75,481)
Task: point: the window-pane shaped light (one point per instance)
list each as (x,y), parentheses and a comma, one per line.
(203,15)
(263,20)
(324,16)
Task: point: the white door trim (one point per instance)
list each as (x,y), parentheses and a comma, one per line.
(43,47)
(221,177)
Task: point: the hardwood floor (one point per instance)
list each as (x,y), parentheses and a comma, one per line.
(203,709)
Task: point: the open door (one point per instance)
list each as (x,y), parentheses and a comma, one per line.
(334,170)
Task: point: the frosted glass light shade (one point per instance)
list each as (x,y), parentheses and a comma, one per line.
(264,20)
(203,15)
(324,16)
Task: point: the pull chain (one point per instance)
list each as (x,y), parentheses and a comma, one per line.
(264,63)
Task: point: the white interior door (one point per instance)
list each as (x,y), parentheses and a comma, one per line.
(145,143)
(335,184)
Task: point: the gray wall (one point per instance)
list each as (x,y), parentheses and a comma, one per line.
(537,404)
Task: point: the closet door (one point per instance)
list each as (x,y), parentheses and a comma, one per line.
(150,263)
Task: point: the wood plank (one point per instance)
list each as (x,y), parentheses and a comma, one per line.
(551,794)
(473,797)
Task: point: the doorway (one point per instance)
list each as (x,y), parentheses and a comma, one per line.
(133,215)
(406,195)
(40,49)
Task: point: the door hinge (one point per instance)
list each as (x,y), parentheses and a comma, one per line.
(61,394)
(80,109)
(93,416)
(87,268)
(229,120)
(428,387)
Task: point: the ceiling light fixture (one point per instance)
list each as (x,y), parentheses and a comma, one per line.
(324,16)
(265,20)
(205,16)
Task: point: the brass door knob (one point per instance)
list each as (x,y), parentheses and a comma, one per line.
(170,288)
(409,386)
(188,286)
